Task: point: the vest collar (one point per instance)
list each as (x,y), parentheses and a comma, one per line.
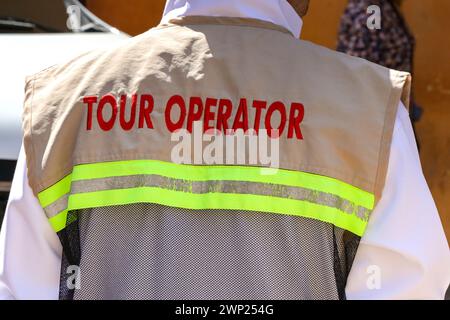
(233,21)
(278,12)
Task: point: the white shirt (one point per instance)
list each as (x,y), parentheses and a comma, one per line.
(403,254)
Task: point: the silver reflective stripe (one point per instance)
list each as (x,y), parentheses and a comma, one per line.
(56,207)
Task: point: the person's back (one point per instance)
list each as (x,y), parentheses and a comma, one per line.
(140,220)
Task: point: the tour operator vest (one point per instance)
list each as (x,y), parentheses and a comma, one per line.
(137,224)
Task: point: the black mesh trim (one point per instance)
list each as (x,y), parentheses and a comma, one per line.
(345,247)
(70,240)
(351,244)
(339,273)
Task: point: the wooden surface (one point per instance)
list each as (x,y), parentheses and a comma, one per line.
(429,21)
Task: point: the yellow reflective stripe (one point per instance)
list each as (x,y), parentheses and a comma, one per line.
(226,201)
(58,222)
(205,173)
(50,195)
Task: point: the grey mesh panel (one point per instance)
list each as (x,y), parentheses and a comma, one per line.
(149,251)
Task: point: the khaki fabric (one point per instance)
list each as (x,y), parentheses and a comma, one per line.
(350,104)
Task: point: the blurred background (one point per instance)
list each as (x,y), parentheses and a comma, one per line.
(428,21)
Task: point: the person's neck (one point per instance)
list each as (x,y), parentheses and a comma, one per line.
(279,12)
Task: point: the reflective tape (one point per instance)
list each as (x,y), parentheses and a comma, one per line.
(208,187)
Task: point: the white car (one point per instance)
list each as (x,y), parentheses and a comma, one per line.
(29,43)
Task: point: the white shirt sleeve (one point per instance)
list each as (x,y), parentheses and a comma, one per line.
(30,251)
(404,253)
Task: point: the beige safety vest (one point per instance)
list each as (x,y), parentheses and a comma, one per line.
(98,130)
